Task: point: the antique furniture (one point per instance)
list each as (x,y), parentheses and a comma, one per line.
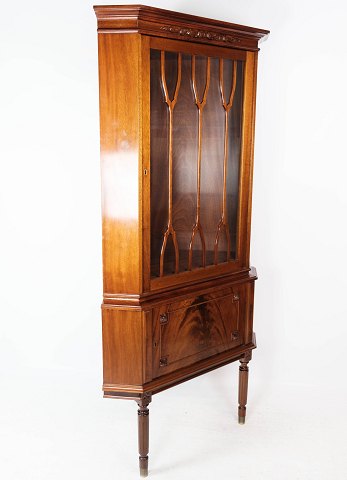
(177,111)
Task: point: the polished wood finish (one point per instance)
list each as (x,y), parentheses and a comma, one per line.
(247,149)
(243,386)
(143,433)
(119,151)
(123,339)
(177,113)
(187,331)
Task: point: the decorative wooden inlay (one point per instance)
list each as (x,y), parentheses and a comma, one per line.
(200,34)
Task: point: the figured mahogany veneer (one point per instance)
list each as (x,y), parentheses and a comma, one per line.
(187,331)
(177,112)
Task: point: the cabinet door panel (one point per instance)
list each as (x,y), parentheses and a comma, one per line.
(195,147)
(196,328)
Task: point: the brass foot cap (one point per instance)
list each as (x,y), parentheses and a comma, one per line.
(144,472)
(242,420)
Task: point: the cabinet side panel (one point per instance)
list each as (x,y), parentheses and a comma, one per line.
(249,313)
(122,347)
(119,145)
(246,176)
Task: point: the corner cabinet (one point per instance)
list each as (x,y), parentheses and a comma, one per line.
(177,111)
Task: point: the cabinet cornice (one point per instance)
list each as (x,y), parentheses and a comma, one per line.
(165,23)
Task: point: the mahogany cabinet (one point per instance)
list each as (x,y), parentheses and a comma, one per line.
(177,112)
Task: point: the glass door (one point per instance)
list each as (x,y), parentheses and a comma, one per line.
(196,104)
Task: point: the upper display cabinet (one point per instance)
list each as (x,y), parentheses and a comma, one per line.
(196,130)
(176,146)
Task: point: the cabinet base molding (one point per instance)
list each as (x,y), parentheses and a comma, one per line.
(132,392)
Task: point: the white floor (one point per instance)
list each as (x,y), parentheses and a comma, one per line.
(56,425)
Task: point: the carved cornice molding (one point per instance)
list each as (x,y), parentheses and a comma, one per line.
(165,23)
(200,34)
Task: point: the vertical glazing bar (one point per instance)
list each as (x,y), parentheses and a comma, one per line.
(171,105)
(200,105)
(223,222)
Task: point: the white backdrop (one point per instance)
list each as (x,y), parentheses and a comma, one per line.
(54,422)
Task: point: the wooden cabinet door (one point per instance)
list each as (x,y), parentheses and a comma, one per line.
(196,328)
(196,113)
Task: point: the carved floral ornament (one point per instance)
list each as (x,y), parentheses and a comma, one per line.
(189,32)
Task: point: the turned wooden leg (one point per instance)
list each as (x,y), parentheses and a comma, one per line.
(243,386)
(143,425)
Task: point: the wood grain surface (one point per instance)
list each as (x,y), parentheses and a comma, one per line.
(119,151)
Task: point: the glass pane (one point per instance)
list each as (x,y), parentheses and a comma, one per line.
(196,108)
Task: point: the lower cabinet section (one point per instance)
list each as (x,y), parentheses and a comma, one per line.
(199,327)
(175,335)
